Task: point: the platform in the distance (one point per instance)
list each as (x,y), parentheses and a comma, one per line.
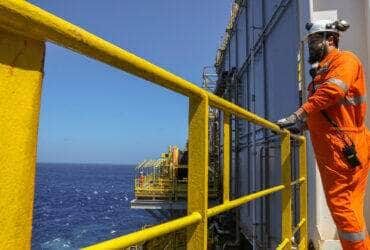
(157,204)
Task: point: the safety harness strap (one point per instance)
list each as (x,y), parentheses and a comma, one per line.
(352,236)
(356,100)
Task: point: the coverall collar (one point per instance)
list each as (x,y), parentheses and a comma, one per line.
(329,57)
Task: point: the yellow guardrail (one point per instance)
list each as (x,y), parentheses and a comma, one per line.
(24,30)
(150,233)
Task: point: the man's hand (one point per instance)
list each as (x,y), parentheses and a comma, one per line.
(287,121)
(295,123)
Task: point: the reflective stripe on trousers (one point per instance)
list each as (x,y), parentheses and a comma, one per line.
(352,236)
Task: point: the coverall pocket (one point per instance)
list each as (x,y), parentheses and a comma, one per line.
(339,161)
(337,145)
(360,140)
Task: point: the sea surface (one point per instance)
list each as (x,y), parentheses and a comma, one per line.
(79,204)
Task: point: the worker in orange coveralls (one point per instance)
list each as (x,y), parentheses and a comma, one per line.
(141,178)
(335,115)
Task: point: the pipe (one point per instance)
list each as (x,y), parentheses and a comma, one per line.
(237,162)
(230,244)
(263,200)
(267,227)
(266,31)
(264,219)
(218,229)
(253,172)
(236,242)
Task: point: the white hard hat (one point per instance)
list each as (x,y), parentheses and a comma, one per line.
(326,26)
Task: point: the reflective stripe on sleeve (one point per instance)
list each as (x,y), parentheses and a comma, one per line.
(334,81)
(339,83)
(352,236)
(356,100)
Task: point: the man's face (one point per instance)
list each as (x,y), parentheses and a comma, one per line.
(314,39)
(316,47)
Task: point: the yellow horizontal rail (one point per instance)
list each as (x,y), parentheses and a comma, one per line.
(299,225)
(283,244)
(298,138)
(240,201)
(148,234)
(298,182)
(239,112)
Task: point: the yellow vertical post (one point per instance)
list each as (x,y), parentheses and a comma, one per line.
(226,157)
(21,72)
(303,244)
(286,195)
(198,171)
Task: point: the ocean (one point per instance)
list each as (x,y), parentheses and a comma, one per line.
(77,205)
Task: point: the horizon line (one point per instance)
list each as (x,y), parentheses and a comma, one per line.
(91,163)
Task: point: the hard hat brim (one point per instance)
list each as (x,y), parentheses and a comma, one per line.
(321,31)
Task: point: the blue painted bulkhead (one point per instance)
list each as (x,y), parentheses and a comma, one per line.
(262,51)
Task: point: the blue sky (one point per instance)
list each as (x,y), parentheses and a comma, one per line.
(93,113)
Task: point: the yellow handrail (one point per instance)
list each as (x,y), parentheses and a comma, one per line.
(28,24)
(240,201)
(149,233)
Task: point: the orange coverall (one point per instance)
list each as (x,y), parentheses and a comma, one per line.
(339,88)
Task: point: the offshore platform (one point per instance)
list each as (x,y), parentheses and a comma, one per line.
(241,182)
(160,186)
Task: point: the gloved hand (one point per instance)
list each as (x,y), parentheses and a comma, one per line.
(295,123)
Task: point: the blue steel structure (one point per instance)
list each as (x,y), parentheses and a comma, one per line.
(257,70)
